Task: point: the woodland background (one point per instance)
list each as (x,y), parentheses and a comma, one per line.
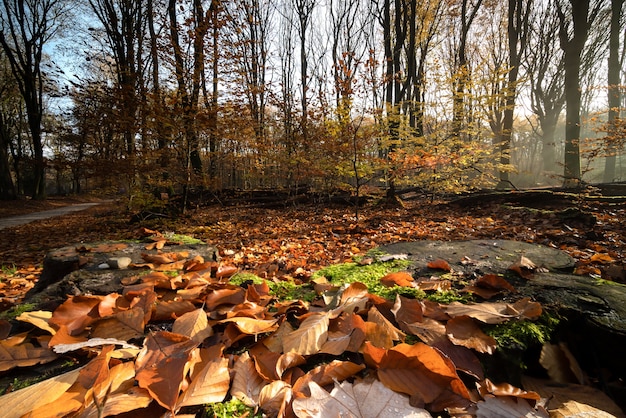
(145,97)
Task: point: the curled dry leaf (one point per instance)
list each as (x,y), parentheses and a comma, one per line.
(363,399)
(92,342)
(496,407)
(326,374)
(247,382)
(463,331)
(561,364)
(23,355)
(39,319)
(274,397)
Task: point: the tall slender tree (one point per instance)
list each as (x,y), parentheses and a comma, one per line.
(27,27)
(614,70)
(574,28)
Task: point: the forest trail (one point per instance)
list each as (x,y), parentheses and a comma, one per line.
(13,221)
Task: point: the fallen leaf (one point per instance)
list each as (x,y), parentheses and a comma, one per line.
(310,336)
(496,407)
(40,319)
(359,400)
(20,402)
(92,342)
(463,331)
(326,374)
(210,385)
(439,264)
(487,312)
(561,364)
(23,355)
(247,382)
(401,278)
(194,324)
(160,366)
(274,397)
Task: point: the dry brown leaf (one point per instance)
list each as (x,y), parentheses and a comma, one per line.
(160,366)
(247,382)
(487,312)
(359,400)
(374,315)
(76,313)
(194,324)
(252,326)
(287,361)
(172,309)
(310,336)
(40,319)
(498,407)
(487,387)
(124,325)
(494,281)
(23,355)
(20,402)
(463,331)
(210,385)
(561,364)
(524,267)
(417,370)
(274,397)
(439,264)
(92,342)
(428,330)
(326,374)
(226,296)
(401,278)
(407,311)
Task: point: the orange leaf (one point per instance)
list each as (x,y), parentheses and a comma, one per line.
(439,264)
(160,366)
(310,337)
(247,382)
(401,278)
(76,313)
(463,331)
(209,386)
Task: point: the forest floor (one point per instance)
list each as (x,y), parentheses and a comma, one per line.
(296,240)
(313,236)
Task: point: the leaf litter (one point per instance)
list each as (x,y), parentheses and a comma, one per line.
(224,333)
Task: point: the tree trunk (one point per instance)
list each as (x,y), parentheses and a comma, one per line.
(613,88)
(572,47)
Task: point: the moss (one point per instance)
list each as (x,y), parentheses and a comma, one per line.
(241,277)
(282,290)
(523,334)
(184,239)
(17,310)
(288,290)
(449,296)
(369,275)
(231,408)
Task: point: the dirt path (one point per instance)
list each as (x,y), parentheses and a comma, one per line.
(12,221)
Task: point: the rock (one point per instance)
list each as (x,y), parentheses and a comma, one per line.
(119,263)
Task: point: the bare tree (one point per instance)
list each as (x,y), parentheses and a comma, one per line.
(574,26)
(517,31)
(614,99)
(544,64)
(303,13)
(27,26)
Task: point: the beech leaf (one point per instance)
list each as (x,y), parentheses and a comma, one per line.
(359,400)
(247,382)
(194,324)
(463,331)
(310,336)
(39,319)
(209,386)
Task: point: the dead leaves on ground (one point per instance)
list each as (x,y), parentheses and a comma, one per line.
(170,342)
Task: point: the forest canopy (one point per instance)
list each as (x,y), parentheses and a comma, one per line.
(166,96)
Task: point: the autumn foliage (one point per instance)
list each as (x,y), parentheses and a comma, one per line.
(183,335)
